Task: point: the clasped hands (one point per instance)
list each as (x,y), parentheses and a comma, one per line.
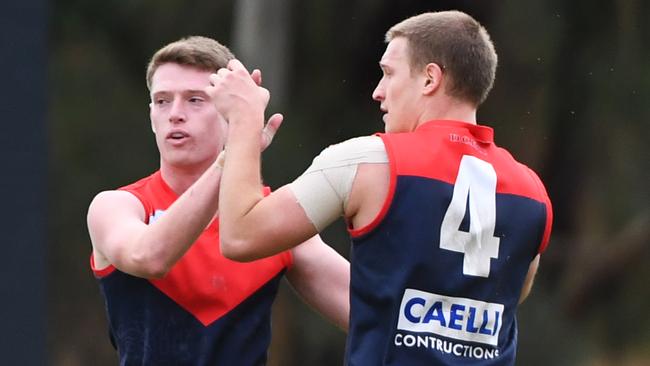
(241,100)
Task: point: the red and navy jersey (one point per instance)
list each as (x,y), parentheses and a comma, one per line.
(436,277)
(208,310)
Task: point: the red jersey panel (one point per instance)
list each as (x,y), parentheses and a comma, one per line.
(203,281)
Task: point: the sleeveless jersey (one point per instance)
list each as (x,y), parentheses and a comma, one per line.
(436,277)
(208,310)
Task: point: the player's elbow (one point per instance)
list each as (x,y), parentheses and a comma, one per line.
(236,251)
(237,248)
(149,267)
(157,272)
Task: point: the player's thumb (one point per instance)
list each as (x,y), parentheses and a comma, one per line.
(273,124)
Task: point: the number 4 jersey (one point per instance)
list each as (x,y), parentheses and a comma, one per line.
(437,276)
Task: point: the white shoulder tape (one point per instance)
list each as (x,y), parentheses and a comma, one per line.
(324,188)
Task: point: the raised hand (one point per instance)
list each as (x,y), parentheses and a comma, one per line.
(237,95)
(235,92)
(273,123)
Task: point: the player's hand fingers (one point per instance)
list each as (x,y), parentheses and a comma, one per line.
(256,75)
(271,128)
(214,78)
(235,65)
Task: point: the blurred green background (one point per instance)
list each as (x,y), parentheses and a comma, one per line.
(571,100)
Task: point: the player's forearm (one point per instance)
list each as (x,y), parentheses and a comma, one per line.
(168,238)
(241,188)
(331,299)
(322,279)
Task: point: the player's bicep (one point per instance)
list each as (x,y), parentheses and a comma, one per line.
(324,190)
(275,224)
(114,219)
(321,199)
(286,218)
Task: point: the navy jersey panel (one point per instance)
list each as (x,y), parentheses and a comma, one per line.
(410,254)
(139,313)
(207,310)
(415,301)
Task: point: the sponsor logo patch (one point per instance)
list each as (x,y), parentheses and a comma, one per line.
(454,317)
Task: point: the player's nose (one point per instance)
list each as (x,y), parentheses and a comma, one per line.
(177,111)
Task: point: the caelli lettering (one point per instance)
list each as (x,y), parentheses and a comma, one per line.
(455,317)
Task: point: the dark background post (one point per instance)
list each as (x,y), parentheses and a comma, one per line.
(23,161)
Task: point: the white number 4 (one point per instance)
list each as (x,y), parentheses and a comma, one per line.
(476,182)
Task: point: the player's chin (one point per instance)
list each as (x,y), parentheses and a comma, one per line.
(386,123)
(390,127)
(180,158)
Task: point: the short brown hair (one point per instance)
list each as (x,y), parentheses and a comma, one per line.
(458,44)
(196,51)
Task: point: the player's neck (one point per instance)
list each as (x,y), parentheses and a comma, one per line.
(449,109)
(179,179)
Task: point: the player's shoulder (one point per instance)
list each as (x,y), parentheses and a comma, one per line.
(112,199)
(140,183)
(356,144)
(527,176)
(521,167)
(357,150)
(537,181)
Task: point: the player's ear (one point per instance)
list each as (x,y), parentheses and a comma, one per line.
(432,78)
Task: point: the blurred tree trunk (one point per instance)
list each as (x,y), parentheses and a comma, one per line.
(261,39)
